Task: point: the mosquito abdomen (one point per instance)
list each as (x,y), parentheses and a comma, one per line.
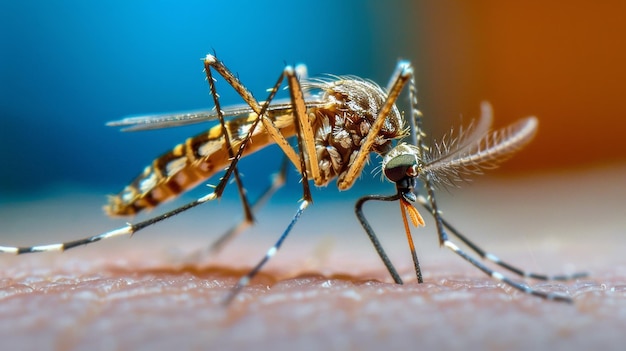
(190,163)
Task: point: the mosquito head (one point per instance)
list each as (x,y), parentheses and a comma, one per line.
(402,167)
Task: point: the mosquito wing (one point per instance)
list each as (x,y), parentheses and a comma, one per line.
(449,165)
(183,118)
(166,120)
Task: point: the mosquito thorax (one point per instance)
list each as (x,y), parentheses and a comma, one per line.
(344,122)
(357,101)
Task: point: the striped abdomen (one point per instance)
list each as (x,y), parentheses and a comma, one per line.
(192,162)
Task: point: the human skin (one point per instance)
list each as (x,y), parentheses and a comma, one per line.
(326,288)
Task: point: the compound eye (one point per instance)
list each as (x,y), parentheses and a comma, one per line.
(400,167)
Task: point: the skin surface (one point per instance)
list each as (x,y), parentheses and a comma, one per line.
(326,288)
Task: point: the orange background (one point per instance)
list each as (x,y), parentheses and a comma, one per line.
(563,62)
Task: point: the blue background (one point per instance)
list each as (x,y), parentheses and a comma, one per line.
(68,67)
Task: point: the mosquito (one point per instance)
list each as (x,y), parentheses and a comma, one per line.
(337,122)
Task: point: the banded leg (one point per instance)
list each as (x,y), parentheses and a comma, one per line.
(129,230)
(245,280)
(212,62)
(500,277)
(493,258)
(248,217)
(278,180)
(490,257)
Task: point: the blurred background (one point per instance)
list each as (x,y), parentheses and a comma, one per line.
(68,67)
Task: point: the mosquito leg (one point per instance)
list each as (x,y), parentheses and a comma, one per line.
(397,72)
(493,258)
(306,137)
(129,230)
(498,276)
(220,115)
(212,62)
(278,180)
(415,122)
(260,110)
(245,280)
(490,272)
(358,208)
(417,139)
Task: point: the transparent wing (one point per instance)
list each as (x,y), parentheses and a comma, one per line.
(157,121)
(183,118)
(450,165)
